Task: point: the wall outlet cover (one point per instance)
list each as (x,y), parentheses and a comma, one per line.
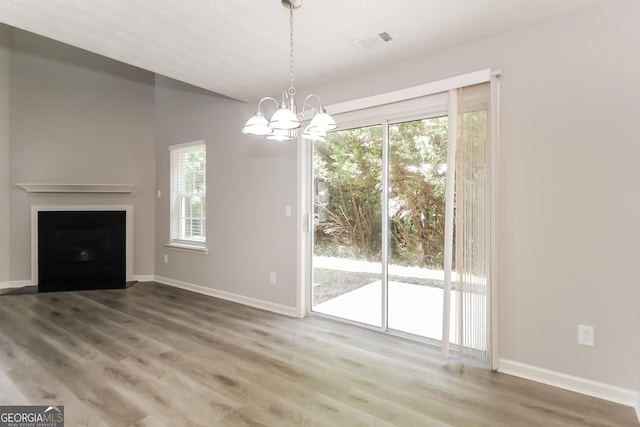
(586,335)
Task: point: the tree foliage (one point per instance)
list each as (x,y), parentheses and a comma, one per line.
(348,167)
(348,174)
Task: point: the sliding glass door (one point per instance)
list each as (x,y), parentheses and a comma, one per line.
(347,256)
(416,206)
(401,220)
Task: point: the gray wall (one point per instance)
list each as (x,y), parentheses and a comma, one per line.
(249,183)
(77,117)
(4,153)
(568,173)
(569,201)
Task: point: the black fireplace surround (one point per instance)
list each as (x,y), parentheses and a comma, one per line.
(81,250)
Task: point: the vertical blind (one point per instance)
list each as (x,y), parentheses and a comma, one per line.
(188,193)
(472,205)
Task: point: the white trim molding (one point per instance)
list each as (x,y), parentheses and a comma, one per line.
(143,278)
(187,248)
(604,391)
(229,296)
(77,188)
(15,284)
(638,406)
(304,223)
(444,85)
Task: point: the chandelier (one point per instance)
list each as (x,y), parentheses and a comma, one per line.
(286,121)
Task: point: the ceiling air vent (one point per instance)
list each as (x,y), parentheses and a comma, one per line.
(372,42)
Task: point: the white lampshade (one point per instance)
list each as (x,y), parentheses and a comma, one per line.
(317,135)
(322,122)
(257,125)
(284,119)
(281,135)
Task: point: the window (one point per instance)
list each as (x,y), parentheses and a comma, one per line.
(188,194)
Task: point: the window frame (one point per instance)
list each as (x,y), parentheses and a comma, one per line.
(178,175)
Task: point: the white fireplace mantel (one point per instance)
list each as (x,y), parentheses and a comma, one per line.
(77,188)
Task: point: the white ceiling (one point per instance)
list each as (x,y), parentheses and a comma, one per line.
(240,48)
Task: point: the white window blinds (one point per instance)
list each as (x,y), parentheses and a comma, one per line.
(188,193)
(470,292)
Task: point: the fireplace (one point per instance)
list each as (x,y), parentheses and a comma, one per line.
(79,250)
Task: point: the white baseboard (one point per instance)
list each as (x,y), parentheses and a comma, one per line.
(144,278)
(568,382)
(229,296)
(15,284)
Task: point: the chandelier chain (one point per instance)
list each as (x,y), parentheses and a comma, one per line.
(292,89)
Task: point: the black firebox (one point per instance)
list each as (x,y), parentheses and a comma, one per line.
(79,250)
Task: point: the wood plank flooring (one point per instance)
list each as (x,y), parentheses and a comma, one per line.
(153,355)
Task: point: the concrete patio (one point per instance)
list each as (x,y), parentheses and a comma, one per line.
(413,309)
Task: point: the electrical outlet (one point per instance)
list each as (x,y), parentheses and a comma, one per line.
(586,335)
(272,278)
(166,259)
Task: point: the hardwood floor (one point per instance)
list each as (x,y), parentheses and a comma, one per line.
(153,355)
